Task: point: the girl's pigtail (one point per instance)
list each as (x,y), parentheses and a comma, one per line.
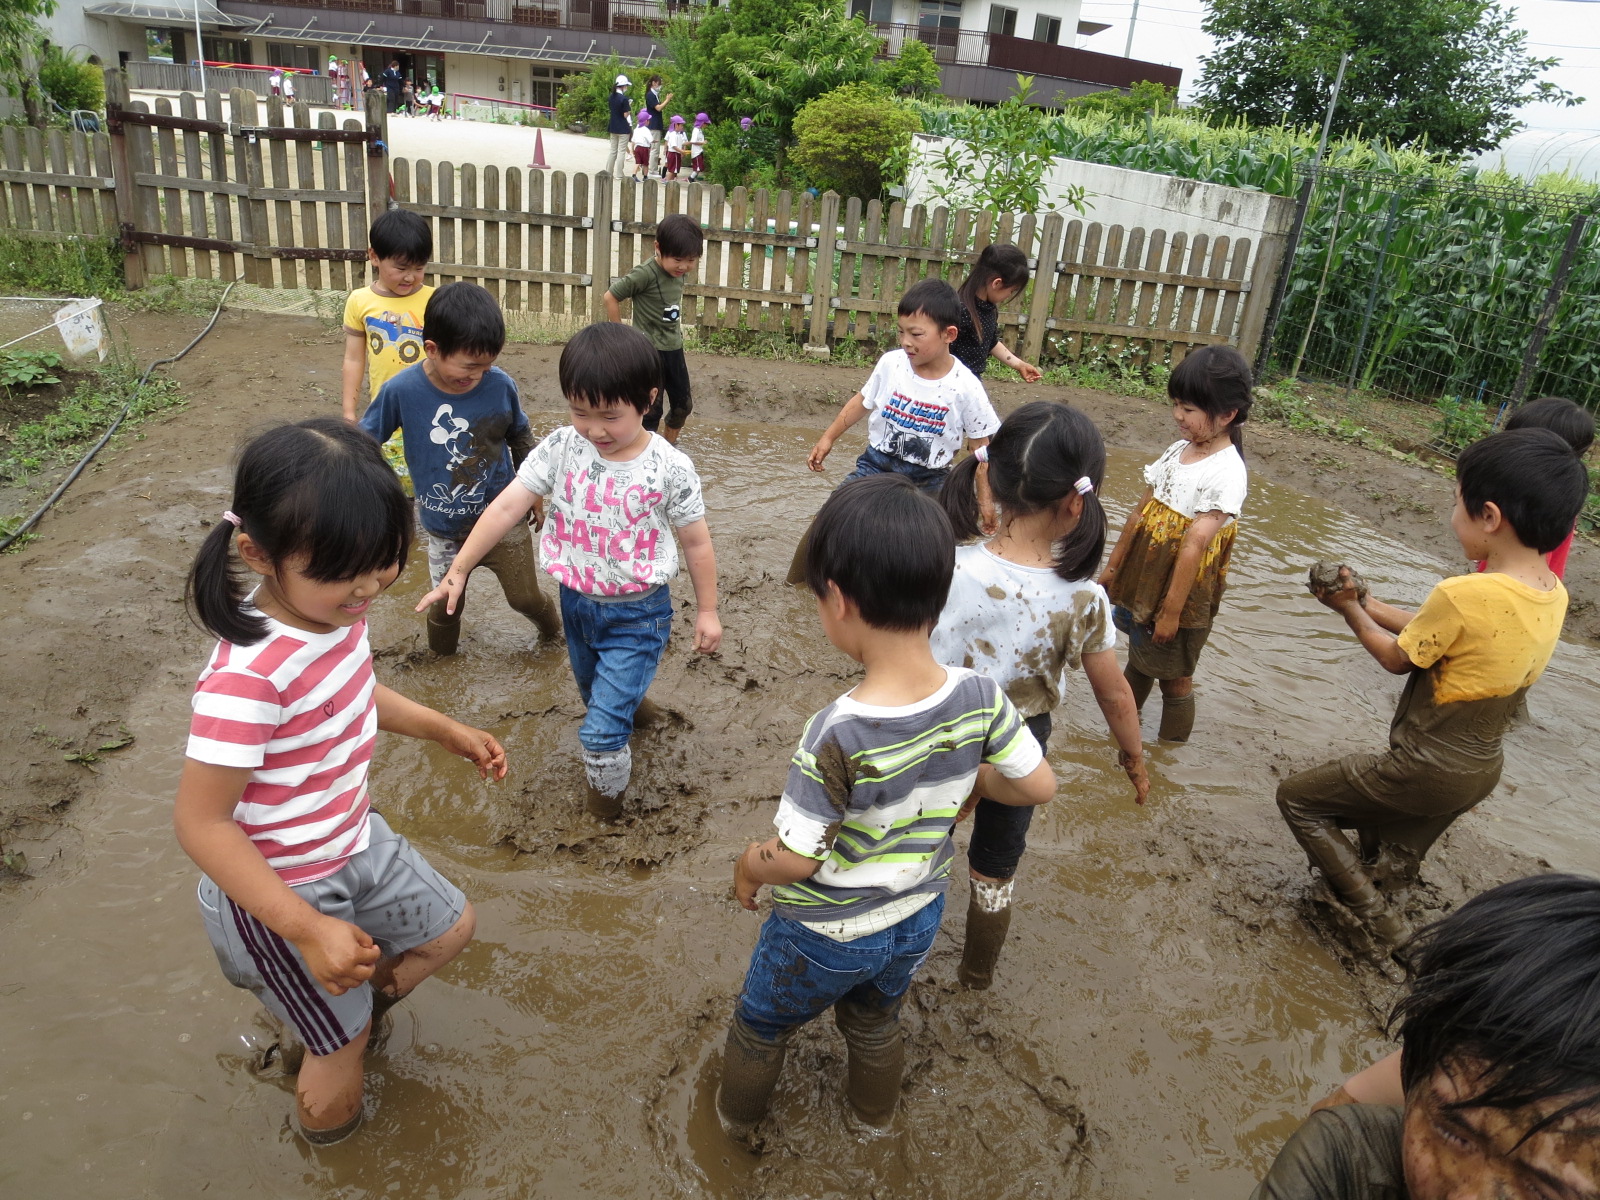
(1078,554)
(214,593)
(959,495)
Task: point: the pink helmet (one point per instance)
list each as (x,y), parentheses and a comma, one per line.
(702,119)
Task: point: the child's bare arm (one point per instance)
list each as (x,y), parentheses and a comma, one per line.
(701,559)
(1388,616)
(1184,572)
(1120,550)
(340,955)
(1379,642)
(1115,697)
(765,863)
(1378,1084)
(396,714)
(352,372)
(504,511)
(853,411)
(1037,787)
(613,307)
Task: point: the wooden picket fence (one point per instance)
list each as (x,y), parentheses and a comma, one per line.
(213,190)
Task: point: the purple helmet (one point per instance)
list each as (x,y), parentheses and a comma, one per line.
(677,119)
(643,116)
(702,118)
(746,122)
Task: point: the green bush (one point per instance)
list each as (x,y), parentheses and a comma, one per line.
(76,267)
(737,157)
(1461,421)
(587,97)
(846,140)
(71,82)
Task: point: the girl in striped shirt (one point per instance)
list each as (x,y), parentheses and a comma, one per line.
(311,901)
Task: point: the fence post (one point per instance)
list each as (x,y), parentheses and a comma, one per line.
(1372,292)
(1547,314)
(599,266)
(1044,286)
(1280,287)
(377,155)
(1264,276)
(824,275)
(122,175)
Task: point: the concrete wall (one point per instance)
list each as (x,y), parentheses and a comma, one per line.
(1132,199)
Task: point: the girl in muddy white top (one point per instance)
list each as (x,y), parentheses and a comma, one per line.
(1170,566)
(311,901)
(617,492)
(1023,608)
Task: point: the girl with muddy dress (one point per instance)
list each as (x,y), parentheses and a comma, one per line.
(311,901)
(1023,608)
(997,278)
(1170,566)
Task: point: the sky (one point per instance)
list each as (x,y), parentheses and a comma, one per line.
(1168,31)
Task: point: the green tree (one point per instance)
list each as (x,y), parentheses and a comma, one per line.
(845,140)
(1156,99)
(20,39)
(823,49)
(913,71)
(586,97)
(70,81)
(1448,72)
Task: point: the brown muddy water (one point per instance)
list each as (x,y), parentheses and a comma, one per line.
(1163,1014)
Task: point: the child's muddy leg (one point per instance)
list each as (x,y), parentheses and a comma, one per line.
(514,565)
(1303,800)
(1140,683)
(988,924)
(393,979)
(877,1055)
(1177,709)
(750,1069)
(444,628)
(328,1092)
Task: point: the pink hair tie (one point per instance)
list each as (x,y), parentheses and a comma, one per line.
(981,454)
(232,518)
(1083,486)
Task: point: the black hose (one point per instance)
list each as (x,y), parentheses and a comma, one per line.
(83,462)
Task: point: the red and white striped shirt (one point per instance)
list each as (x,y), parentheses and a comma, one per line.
(298,709)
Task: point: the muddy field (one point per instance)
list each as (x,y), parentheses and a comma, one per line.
(1173,996)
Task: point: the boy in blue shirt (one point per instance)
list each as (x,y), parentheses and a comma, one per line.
(465,435)
(861,862)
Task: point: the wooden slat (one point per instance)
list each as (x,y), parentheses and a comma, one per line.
(332,224)
(578,244)
(560,296)
(444,241)
(198,223)
(471,272)
(282,208)
(536,243)
(469,225)
(305,175)
(515,291)
(253,211)
(1228,307)
(44,205)
(489,251)
(146,205)
(353,157)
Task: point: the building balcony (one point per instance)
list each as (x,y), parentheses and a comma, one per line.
(975,48)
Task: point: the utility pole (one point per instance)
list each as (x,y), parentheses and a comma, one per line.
(1127,51)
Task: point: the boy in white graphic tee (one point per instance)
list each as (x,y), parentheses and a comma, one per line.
(616,493)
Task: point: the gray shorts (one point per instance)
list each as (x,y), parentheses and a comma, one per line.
(388,890)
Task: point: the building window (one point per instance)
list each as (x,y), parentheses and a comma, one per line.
(1002,21)
(1047,29)
(229,50)
(940,14)
(877,12)
(158,45)
(285,54)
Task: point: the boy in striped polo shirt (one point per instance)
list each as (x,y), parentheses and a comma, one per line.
(861,862)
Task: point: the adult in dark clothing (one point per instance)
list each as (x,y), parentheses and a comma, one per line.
(653,103)
(392,82)
(620,127)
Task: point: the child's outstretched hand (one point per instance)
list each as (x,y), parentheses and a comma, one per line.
(449,590)
(818,453)
(1029,372)
(1337,587)
(478,747)
(340,955)
(707,633)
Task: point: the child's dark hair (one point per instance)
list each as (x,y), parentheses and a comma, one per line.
(679,236)
(317,490)
(888,548)
(1532,476)
(1507,988)
(609,363)
(1568,421)
(934,299)
(1035,461)
(402,236)
(463,318)
(1216,380)
(999,260)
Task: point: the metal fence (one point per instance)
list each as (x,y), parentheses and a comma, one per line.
(1433,291)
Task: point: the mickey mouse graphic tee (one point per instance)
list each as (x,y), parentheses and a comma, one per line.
(608,531)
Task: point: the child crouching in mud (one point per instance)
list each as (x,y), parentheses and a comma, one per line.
(617,492)
(861,862)
(1023,608)
(311,901)
(1170,566)
(1469,655)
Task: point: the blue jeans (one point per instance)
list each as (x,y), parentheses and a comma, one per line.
(876,462)
(796,974)
(615,647)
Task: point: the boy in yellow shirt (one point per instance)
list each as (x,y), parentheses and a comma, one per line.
(1471,651)
(383,323)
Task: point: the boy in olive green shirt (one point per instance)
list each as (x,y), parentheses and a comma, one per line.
(656,289)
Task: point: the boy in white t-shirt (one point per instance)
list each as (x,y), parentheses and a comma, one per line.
(923,404)
(617,492)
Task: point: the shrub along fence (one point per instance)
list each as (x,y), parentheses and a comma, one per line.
(284,202)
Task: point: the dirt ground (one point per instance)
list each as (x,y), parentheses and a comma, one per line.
(92,618)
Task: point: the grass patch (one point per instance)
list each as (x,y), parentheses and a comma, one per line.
(1289,403)
(70,267)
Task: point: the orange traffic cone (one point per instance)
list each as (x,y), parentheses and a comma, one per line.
(538,163)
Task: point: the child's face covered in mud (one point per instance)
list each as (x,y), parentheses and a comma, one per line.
(1487,1153)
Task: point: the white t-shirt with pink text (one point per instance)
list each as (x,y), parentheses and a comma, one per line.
(608,529)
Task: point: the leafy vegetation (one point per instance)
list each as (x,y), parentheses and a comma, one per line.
(20,40)
(845,139)
(1460,422)
(999,159)
(83,416)
(74,266)
(28,368)
(70,81)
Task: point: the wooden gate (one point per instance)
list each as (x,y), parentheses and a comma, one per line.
(280,204)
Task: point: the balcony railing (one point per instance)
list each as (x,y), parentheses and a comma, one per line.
(973,48)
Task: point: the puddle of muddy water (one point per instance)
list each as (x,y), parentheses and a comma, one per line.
(1148,1036)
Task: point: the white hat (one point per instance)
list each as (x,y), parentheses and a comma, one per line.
(623,81)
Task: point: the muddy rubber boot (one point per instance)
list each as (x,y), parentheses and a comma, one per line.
(1141,685)
(1177,718)
(330,1137)
(607,775)
(443,637)
(877,1056)
(988,922)
(1339,863)
(750,1070)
